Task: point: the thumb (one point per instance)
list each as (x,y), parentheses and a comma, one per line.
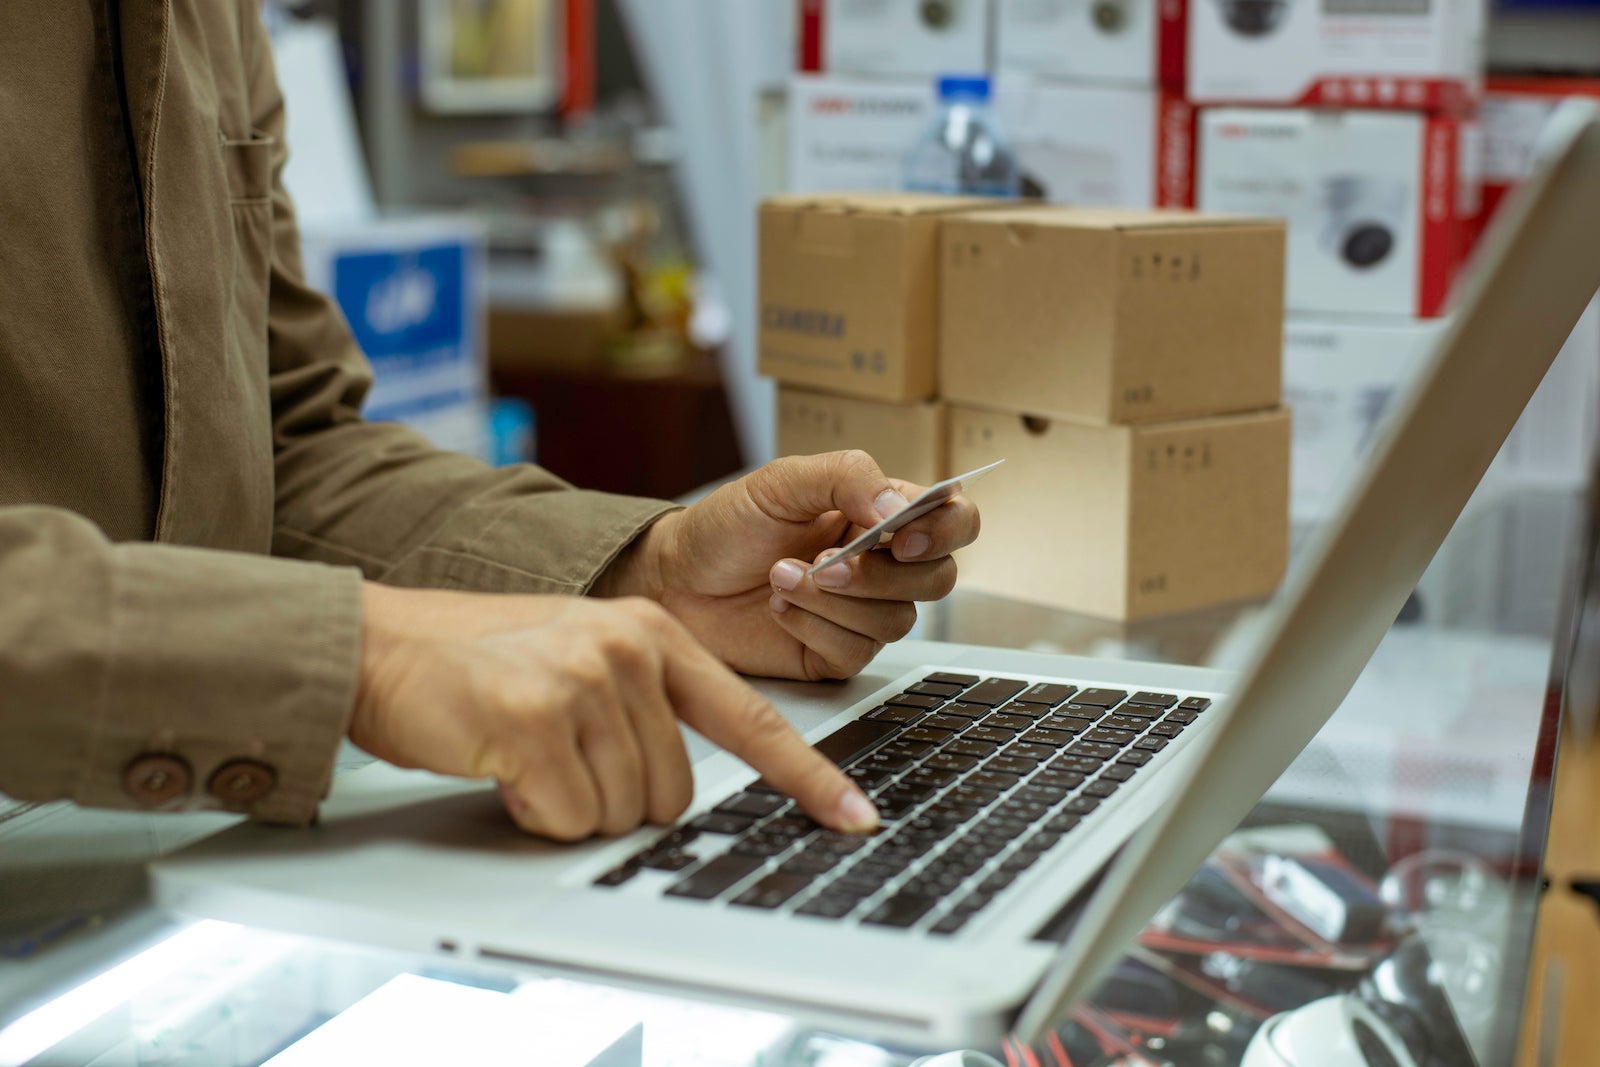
(799,488)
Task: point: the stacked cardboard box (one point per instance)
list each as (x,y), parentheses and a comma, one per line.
(1125,364)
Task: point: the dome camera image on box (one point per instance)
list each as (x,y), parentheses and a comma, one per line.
(1253,18)
(1364,215)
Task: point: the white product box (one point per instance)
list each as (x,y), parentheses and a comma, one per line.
(1337,53)
(1100,145)
(852,134)
(1379,204)
(1126,42)
(900,38)
(413,293)
(1513,115)
(1340,374)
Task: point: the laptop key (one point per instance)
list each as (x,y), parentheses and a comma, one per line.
(1014,723)
(901,910)
(1080,805)
(1043,841)
(869,777)
(1027,750)
(1094,750)
(772,891)
(669,860)
(906,749)
(1135,757)
(760,847)
(951,923)
(829,906)
(1053,738)
(896,714)
(915,700)
(938,777)
(997,881)
(1183,715)
(1108,736)
(989,734)
(953,723)
(716,877)
(1104,698)
(993,691)
(1101,787)
(946,678)
(722,823)
(1118,772)
(791,826)
(968,747)
(992,779)
(1080,711)
(966,711)
(809,862)
(1157,700)
(1195,704)
(973,793)
(1018,861)
(1004,764)
(1132,723)
(1151,744)
(1142,712)
(1047,693)
(754,805)
(1167,729)
(942,690)
(930,737)
(950,761)
(1025,711)
(1071,761)
(1060,824)
(1057,779)
(617,875)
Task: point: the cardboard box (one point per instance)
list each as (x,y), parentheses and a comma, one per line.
(413,292)
(907,440)
(1337,54)
(1111,316)
(900,38)
(852,134)
(1379,204)
(849,289)
(1122,42)
(1100,146)
(1513,115)
(1127,522)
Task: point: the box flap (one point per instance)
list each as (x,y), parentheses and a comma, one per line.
(868,203)
(1122,218)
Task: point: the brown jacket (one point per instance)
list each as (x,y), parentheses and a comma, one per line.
(188,495)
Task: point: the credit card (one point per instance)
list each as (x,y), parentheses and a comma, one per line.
(926,501)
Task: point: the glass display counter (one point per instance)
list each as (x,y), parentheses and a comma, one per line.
(1384,891)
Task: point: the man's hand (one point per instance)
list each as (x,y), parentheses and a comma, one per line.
(732,567)
(572,705)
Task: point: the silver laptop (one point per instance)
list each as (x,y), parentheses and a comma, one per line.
(1038,809)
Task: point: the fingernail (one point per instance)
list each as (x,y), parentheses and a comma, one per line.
(915,545)
(856,813)
(834,577)
(890,503)
(778,604)
(787,574)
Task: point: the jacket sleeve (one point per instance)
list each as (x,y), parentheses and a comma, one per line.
(167,678)
(378,496)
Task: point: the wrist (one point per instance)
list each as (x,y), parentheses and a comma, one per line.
(643,567)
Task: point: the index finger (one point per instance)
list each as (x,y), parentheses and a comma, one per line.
(727,712)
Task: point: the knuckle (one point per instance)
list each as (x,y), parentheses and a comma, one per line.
(905,617)
(944,579)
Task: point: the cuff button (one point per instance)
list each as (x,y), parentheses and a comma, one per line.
(240,783)
(153,779)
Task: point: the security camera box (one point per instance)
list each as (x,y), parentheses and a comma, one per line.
(1340,374)
(849,291)
(1111,315)
(1120,42)
(898,38)
(1411,54)
(413,292)
(907,440)
(1127,522)
(1379,204)
(1513,115)
(1100,145)
(850,133)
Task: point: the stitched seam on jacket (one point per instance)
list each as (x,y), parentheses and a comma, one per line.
(169,380)
(114,594)
(334,547)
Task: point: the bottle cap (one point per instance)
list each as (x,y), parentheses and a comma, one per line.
(964,87)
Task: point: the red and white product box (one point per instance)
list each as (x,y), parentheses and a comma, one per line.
(1123,42)
(899,38)
(852,134)
(1099,145)
(1513,115)
(1416,54)
(1379,204)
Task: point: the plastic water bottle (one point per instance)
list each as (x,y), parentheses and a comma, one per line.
(962,150)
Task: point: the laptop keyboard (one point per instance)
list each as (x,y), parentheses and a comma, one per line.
(975,779)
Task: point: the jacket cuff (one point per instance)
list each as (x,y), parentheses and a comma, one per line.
(230,685)
(558,542)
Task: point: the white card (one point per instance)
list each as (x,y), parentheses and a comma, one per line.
(930,498)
